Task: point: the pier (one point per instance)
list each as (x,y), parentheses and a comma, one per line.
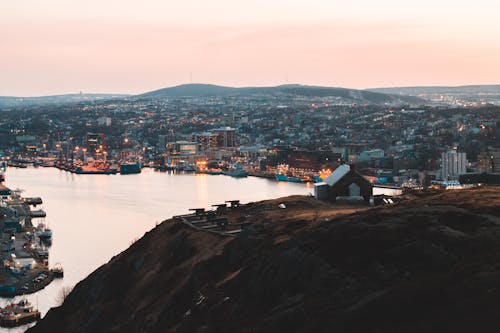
(33,201)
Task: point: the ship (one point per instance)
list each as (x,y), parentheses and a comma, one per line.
(95,168)
(236,171)
(284,174)
(130,168)
(284,178)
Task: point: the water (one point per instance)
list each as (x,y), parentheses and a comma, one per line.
(94,217)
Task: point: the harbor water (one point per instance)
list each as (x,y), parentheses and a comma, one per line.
(94,217)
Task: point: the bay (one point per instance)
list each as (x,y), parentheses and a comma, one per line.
(94,217)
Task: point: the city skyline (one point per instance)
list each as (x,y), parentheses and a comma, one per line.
(57,47)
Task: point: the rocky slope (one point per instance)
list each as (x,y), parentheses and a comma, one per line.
(430,264)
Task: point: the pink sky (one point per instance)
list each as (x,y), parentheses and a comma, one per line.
(61,46)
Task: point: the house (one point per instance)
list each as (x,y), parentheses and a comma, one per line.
(345,183)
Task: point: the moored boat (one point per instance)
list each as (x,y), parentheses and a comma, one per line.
(237,172)
(130,168)
(284,178)
(57,270)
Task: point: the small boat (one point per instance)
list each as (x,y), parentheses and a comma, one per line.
(189,168)
(44,234)
(17,314)
(57,270)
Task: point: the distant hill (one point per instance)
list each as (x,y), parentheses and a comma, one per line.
(206,90)
(10,101)
(470,90)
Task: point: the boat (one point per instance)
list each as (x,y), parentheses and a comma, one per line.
(317,179)
(214,172)
(17,314)
(57,270)
(130,168)
(98,167)
(189,168)
(93,171)
(283,178)
(43,232)
(46,234)
(236,171)
(284,174)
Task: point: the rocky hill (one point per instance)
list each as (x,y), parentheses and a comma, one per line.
(429,264)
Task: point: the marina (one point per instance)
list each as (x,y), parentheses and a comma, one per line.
(24,245)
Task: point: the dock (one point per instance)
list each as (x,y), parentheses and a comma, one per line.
(33,201)
(37,213)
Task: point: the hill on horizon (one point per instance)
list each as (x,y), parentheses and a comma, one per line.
(206,90)
(417,90)
(14,101)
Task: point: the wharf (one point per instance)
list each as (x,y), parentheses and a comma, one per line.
(33,201)
(37,213)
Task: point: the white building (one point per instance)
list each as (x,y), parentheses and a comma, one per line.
(104,121)
(453,164)
(367,155)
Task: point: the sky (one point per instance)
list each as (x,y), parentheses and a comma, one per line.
(129,46)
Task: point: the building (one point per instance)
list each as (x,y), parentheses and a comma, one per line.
(453,164)
(162,143)
(485,178)
(104,121)
(94,142)
(206,140)
(183,148)
(305,159)
(344,183)
(489,162)
(368,155)
(226,137)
